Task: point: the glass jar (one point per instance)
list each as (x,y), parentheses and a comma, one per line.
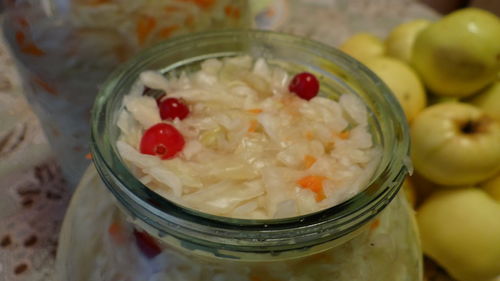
(371,236)
(66,48)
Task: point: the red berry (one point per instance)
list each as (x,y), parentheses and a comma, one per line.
(171,108)
(162,140)
(146,244)
(305,85)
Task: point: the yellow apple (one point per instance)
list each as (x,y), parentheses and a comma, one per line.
(489,100)
(399,43)
(363,45)
(410,192)
(459,54)
(460,230)
(492,187)
(403,82)
(455,144)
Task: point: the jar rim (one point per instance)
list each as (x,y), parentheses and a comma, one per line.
(179,221)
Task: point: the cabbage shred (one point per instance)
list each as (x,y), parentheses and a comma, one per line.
(253,149)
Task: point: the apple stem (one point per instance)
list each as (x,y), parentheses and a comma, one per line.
(480,125)
(469,127)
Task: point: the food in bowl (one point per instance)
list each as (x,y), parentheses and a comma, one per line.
(243,138)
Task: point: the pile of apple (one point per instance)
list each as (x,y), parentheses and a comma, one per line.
(446,76)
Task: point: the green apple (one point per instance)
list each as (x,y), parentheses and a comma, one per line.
(363,45)
(403,82)
(460,230)
(489,100)
(459,54)
(399,43)
(492,187)
(455,144)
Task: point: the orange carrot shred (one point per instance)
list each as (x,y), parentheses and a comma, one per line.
(309,160)
(20,38)
(32,49)
(145,26)
(255,110)
(309,135)
(88,156)
(115,230)
(232,12)
(23,22)
(27,47)
(315,184)
(46,86)
(344,135)
(205,4)
(375,224)
(253,126)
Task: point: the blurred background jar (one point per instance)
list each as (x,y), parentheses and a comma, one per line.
(66,48)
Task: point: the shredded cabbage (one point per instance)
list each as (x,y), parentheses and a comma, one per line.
(249,142)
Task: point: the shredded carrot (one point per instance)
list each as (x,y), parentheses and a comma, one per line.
(27,47)
(88,156)
(253,126)
(145,26)
(23,23)
(20,38)
(32,49)
(309,135)
(166,32)
(344,135)
(309,160)
(375,224)
(46,86)
(315,184)
(232,12)
(255,110)
(115,230)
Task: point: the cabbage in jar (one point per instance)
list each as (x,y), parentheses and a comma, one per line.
(233,139)
(136,233)
(65,49)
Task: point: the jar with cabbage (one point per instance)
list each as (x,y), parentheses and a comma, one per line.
(65,48)
(249,156)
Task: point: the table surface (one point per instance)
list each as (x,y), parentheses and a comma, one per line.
(33,194)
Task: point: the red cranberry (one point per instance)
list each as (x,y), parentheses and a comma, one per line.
(305,85)
(146,244)
(162,140)
(171,108)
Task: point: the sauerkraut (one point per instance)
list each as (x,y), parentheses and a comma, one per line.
(66,48)
(97,244)
(252,148)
